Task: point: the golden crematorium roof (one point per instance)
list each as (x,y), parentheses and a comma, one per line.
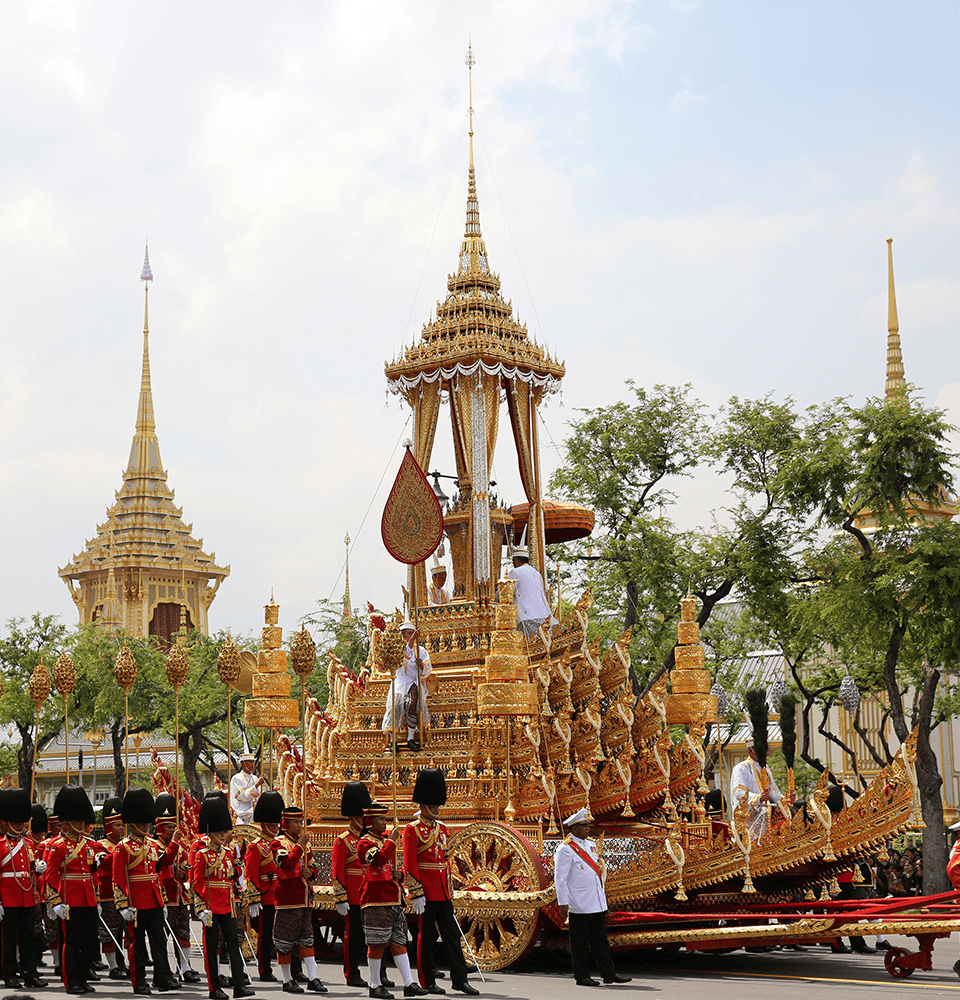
(474,325)
(144,528)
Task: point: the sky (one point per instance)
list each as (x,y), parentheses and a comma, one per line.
(672,192)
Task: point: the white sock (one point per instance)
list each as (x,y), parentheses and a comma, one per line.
(310,964)
(111,957)
(286,972)
(374,964)
(403,964)
(184,951)
(411,733)
(880,937)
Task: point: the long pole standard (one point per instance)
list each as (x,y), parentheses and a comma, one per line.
(126,733)
(33,773)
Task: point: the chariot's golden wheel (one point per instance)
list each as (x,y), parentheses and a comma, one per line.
(493,857)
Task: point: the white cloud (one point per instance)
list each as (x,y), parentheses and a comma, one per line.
(686,99)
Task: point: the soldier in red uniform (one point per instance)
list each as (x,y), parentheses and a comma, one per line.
(215,875)
(348,879)
(262,870)
(138,893)
(39,824)
(51,925)
(19,868)
(70,892)
(293,925)
(110,926)
(381,902)
(172,877)
(428,883)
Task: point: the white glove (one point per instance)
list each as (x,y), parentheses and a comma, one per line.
(419,905)
(254,910)
(99,910)
(61,911)
(343,909)
(206,918)
(50,914)
(128,913)
(166,913)
(241,882)
(39,866)
(1,913)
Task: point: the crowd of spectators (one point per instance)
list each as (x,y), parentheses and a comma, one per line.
(901,874)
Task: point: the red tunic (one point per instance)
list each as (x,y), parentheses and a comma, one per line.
(425,858)
(68,877)
(261,870)
(293,878)
(104,877)
(347,870)
(135,879)
(381,886)
(16,871)
(215,874)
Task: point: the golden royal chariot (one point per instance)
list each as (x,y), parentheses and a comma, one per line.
(528,732)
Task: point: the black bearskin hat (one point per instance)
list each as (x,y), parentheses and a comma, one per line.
(166,806)
(214,815)
(112,808)
(72,805)
(138,807)
(39,823)
(430,788)
(269,808)
(834,798)
(714,801)
(356,798)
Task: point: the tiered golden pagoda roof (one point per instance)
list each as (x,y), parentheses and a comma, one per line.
(474,323)
(144,529)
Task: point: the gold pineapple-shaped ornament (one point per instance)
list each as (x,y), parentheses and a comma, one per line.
(65,680)
(39,688)
(177,667)
(228,667)
(125,669)
(303,657)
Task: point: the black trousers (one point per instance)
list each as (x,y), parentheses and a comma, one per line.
(79,936)
(148,924)
(18,929)
(588,933)
(438,914)
(265,937)
(227,924)
(354,946)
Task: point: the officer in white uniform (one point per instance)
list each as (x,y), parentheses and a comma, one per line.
(579,875)
(245,789)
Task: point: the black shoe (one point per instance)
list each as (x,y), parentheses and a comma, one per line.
(87,988)
(118,973)
(99,966)
(314,986)
(13,983)
(34,982)
(269,978)
(224,980)
(617,978)
(471,969)
(217,994)
(292,987)
(299,977)
(956,966)
(884,946)
(77,991)
(385,982)
(143,991)
(92,977)
(839,949)
(413,745)
(442,975)
(357,981)
(191,976)
(466,988)
(167,985)
(243,991)
(414,990)
(587,982)
(381,993)
(436,990)
(865,949)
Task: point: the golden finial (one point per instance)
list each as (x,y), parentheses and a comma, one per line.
(895,377)
(347,607)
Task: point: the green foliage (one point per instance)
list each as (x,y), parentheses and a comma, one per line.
(346,636)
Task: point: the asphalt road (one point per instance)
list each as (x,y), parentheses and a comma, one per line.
(545,975)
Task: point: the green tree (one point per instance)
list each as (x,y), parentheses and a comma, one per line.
(21,649)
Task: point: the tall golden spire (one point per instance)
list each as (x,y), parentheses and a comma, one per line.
(347,606)
(145,450)
(895,379)
(473,205)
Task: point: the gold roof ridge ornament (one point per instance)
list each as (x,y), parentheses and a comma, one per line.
(895,374)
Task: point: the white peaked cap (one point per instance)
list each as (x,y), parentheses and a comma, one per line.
(246,756)
(581,816)
(407,624)
(522,553)
(956,826)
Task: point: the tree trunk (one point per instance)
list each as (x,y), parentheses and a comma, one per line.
(191,744)
(630,615)
(119,770)
(929,783)
(25,758)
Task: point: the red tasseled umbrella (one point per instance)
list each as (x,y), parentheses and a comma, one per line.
(563,522)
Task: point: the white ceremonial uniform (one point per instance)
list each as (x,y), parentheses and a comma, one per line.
(438,595)
(244,792)
(405,676)
(745,783)
(529,595)
(578,885)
